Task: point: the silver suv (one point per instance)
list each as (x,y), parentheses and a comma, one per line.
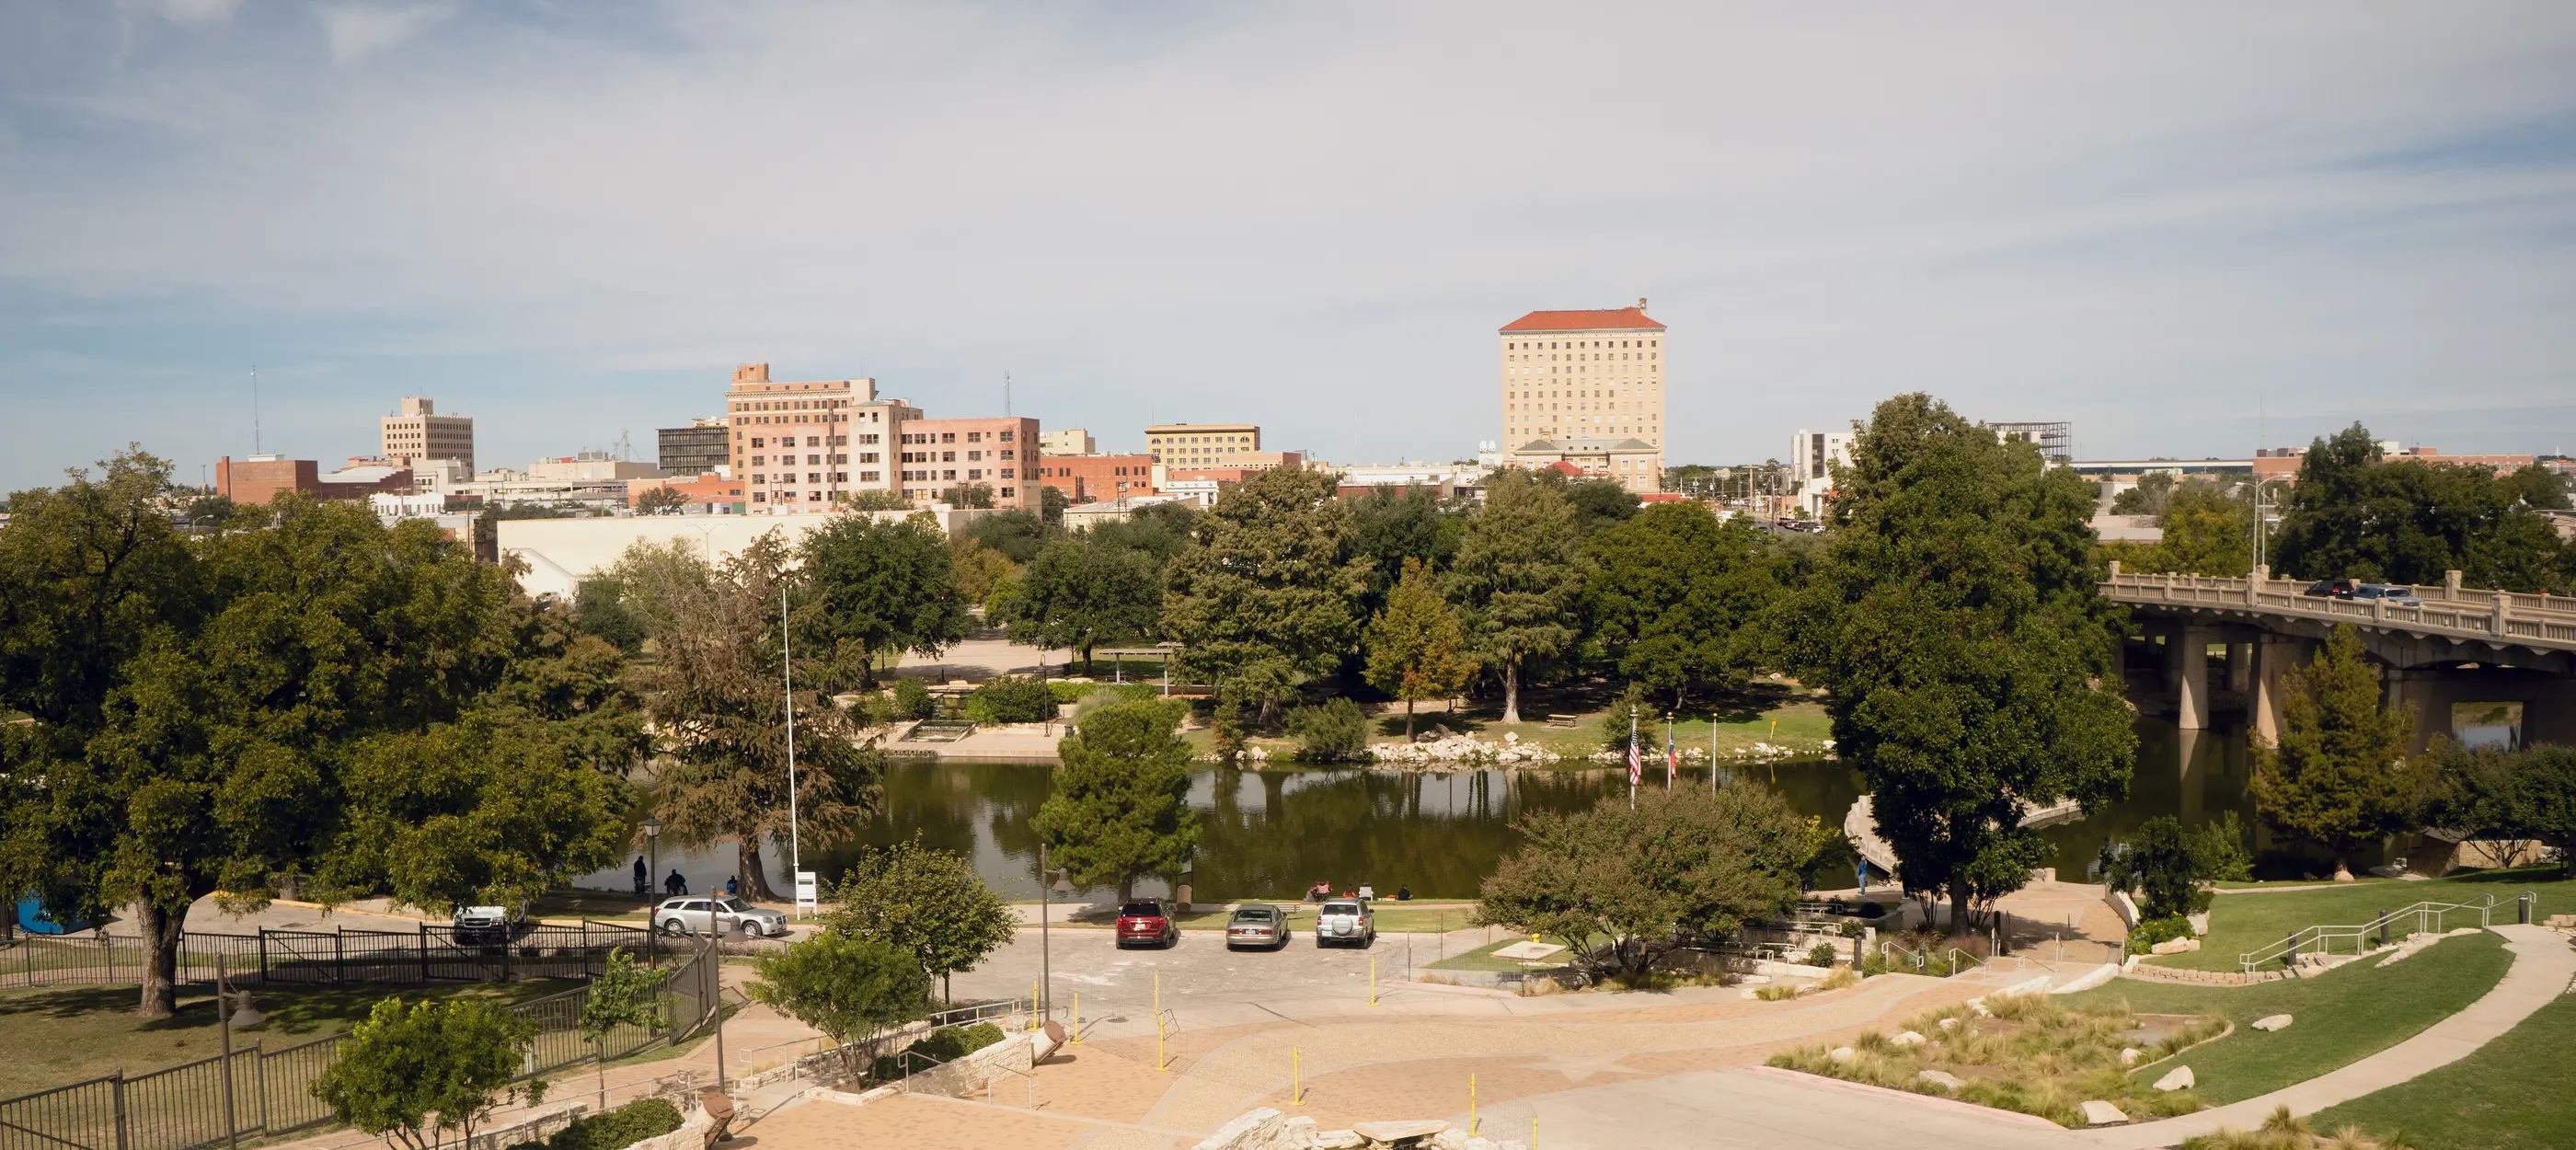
(1343,921)
(717,914)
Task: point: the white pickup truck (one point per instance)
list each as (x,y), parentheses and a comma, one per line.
(1345,922)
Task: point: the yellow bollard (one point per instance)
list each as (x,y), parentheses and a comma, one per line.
(1296,1078)
(1076,1040)
(1372,980)
(1160,1063)
(1034,1020)
(1471,1106)
(1533,1132)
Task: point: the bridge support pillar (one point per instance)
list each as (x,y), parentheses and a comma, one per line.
(2273,655)
(2240,667)
(2190,654)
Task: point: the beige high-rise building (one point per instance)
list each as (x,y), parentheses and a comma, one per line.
(799,447)
(1202,444)
(1584,378)
(421,433)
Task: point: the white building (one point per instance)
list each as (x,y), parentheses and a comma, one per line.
(1813,455)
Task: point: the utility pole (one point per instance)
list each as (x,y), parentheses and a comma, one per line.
(254,409)
(795,851)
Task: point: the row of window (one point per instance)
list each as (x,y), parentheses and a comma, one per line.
(934,493)
(810,440)
(950,456)
(790,404)
(1558,345)
(790,460)
(972,474)
(1158,440)
(951,437)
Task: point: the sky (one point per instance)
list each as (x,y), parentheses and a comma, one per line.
(2189,228)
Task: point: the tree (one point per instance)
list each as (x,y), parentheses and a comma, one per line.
(2525,795)
(979,570)
(412,1071)
(873,586)
(1016,534)
(2167,865)
(1518,578)
(1391,527)
(194,703)
(849,988)
(2208,530)
(660,501)
(623,994)
(714,694)
(598,608)
(1264,599)
(1160,530)
(1080,591)
(2147,498)
(1955,625)
(1680,864)
(1120,809)
(2339,776)
(1672,593)
(873,500)
(1415,648)
(1332,732)
(2354,515)
(974,495)
(929,903)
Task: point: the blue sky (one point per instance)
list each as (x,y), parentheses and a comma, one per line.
(2183,227)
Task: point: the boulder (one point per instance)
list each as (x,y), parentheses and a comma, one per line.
(1841,1054)
(1252,1129)
(1450,1139)
(1949,1024)
(2175,946)
(1298,1131)
(2272,1022)
(2099,1113)
(2178,1078)
(1908,1038)
(1398,1131)
(1941,1079)
(2130,1056)
(1336,1140)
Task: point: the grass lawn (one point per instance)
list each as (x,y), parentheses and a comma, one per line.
(2239,923)
(2511,1095)
(2340,1016)
(67,1034)
(1798,724)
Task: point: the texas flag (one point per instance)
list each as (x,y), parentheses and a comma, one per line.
(1636,764)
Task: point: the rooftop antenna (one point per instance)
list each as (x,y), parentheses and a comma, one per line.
(254,409)
(1006,394)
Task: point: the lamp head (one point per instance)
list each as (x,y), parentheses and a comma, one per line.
(652,827)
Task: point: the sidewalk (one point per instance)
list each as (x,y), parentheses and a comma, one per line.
(2543,964)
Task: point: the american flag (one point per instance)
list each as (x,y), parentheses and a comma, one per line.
(1672,759)
(1636,763)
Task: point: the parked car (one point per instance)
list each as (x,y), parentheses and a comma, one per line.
(482,925)
(1256,926)
(2395,596)
(1146,921)
(717,914)
(1345,921)
(2331,589)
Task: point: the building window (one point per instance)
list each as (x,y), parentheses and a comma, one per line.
(948,437)
(974,455)
(948,457)
(948,475)
(813,497)
(974,437)
(974,473)
(756,441)
(1009,492)
(1006,473)
(867,477)
(759,496)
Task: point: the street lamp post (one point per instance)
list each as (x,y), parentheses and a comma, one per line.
(226,1019)
(652,874)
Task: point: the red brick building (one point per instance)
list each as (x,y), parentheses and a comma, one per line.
(260,479)
(933,455)
(1090,478)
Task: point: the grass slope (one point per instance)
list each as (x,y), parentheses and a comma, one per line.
(2340,1016)
(2241,923)
(2513,1094)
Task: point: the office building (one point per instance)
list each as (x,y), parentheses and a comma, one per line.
(1813,455)
(702,448)
(262,478)
(1591,376)
(1201,444)
(801,447)
(1068,441)
(1635,463)
(419,432)
(933,456)
(1088,478)
(2056,441)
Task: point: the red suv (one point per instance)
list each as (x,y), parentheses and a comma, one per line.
(1145,921)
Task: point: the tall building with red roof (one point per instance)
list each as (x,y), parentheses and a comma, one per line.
(1586,380)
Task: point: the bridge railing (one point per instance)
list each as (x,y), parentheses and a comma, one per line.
(2544,619)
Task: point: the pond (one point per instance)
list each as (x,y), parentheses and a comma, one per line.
(1271,833)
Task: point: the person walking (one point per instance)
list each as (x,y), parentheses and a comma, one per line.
(643,878)
(733,884)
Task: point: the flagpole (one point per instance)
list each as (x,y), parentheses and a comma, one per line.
(787,667)
(1672,762)
(1632,758)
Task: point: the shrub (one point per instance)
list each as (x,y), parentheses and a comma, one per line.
(2156,930)
(2165,865)
(911,699)
(946,1044)
(1011,699)
(1333,733)
(1615,723)
(625,1126)
(1821,954)
(1119,692)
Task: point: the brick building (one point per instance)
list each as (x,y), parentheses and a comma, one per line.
(1087,478)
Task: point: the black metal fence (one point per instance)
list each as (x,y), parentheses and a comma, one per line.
(343,957)
(185,1107)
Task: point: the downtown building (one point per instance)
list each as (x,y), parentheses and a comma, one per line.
(1585,388)
(803,447)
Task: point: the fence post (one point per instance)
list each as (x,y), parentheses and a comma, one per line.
(259,1069)
(424,953)
(263,956)
(2522,910)
(506,947)
(119,1082)
(340,957)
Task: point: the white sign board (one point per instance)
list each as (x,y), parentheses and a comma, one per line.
(805,888)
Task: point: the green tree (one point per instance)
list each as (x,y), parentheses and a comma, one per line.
(1518,578)
(1160,530)
(2354,515)
(1955,625)
(1416,650)
(873,501)
(599,608)
(877,586)
(714,694)
(412,1071)
(929,903)
(2167,865)
(2340,775)
(2148,497)
(1599,503)
(980,570)
(851,989)
(1393,527)
(1079,592)
(2525,795)
(974,495)
(623,994)
(1333,731)
(1120,810)
(1672,593)
(1264,600)
(660,501)
(1677,865)
(1016,534)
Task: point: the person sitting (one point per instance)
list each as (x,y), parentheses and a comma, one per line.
(1367,893)
(733,884)
(675,884)
(1319,892)
(1403,893)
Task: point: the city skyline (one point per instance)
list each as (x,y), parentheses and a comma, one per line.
(2141,222)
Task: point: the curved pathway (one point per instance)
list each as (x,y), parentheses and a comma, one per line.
(2544,962)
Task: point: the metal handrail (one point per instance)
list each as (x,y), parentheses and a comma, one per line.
(2321,939)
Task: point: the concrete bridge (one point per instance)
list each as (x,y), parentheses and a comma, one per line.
(2468,655)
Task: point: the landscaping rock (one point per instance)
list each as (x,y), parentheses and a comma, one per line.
(2175,946)
(1337,1140)
(1943,1079)
(2178,1078)
(1908,1038)
(2130,1056)
(1252,1129)
(1841,1054)
(2272,1022)
(1398,1131)
(1949,1024)
(2098,1113)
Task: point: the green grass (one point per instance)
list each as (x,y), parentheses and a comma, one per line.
(2339,1016)
(1799,724)
(2512,1094)
(58,1035)
(2242,923)
(2038,1055)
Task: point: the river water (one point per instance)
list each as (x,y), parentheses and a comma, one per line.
(1271,833)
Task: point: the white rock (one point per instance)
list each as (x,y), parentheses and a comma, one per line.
(1909,1038)
(1400,1130)
(1257,1124)
(1841,1054)
(2178,1078)
(1941,1079)
(1949,1024)
(2272,1022)
(1297,1133)
(2130,1056)
(2099,1113)
(1336,1140)
(1450,1139)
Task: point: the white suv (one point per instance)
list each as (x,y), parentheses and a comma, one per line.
(1345,921)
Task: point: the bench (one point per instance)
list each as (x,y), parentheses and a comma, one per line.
(1568,721)
(719,1108)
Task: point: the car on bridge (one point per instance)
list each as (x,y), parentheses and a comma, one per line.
(2395,596)
(2332,589)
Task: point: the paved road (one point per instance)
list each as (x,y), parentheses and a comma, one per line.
(1748,1109)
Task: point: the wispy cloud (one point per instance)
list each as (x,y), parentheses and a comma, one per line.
(357,31)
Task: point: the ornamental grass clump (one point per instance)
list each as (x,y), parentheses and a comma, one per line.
(2029,1053)
(2284,1131)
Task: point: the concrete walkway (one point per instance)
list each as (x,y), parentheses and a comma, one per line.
(2544,962)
